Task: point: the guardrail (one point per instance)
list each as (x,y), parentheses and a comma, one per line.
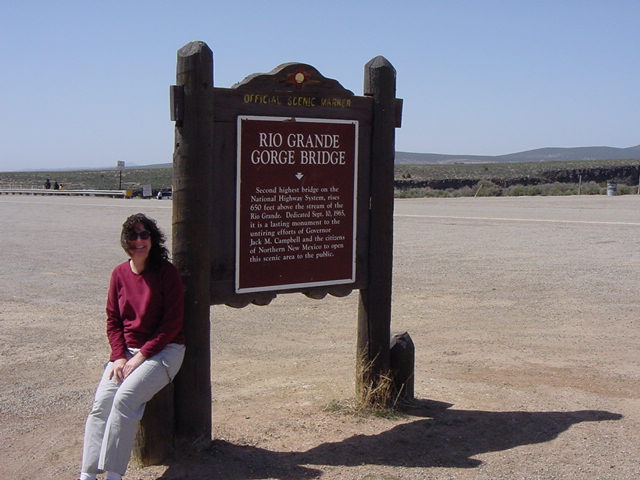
(45,191)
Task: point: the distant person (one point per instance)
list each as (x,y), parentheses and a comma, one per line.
(56,186)
(47,184)
(159,195)
(145,314)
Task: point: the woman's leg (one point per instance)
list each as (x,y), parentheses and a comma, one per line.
(97,421)
(128,406)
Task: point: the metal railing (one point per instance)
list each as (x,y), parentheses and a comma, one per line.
(45,191)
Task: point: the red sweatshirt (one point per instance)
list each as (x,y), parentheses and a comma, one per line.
(144,311)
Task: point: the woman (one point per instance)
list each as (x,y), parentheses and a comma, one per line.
(145,312)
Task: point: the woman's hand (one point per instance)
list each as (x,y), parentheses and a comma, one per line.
(133,363)
(117,370)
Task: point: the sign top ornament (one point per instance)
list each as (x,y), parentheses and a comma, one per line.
(293,78)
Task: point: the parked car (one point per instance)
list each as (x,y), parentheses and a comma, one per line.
(164,193)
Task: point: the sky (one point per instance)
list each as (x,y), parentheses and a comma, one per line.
(85,84)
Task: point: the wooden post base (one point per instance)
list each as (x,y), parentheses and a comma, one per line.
(154,441)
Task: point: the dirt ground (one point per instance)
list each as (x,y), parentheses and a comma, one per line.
(524,313)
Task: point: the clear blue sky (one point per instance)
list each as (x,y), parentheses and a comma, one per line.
(85,83)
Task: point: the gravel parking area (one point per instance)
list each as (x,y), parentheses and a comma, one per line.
(523,310)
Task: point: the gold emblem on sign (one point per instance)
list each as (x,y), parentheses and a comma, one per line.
(301,78)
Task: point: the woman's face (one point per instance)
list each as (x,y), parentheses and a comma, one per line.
(139,246)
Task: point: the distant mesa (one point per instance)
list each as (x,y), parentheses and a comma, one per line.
(548,154)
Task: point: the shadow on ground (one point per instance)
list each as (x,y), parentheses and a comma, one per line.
(443,438)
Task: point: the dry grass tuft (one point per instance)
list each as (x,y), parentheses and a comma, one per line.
(375,394)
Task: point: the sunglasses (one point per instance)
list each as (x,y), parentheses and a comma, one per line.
(144,235)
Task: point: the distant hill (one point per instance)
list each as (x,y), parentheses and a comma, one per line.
(550,154)
(155,165)
(537,155)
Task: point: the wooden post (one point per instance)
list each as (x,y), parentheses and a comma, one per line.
(191,233)
(154,440)
(186,409)
(374,311)
(580,184)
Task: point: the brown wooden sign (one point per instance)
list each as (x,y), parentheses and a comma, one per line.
(296,203)
(291,182)
(282,183)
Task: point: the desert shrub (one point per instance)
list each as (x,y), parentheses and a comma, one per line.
(412,193)
(516,191)
(627,189)
(486,188)
(466,192)
(557,189)
(592,188)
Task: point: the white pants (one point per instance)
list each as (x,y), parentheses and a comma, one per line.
(117,408)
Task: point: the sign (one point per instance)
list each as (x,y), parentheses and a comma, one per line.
(295,203)
(120,165)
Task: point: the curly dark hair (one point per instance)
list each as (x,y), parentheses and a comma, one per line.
(158,253)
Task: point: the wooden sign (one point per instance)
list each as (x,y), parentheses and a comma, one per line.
(298,142)
(282,183)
